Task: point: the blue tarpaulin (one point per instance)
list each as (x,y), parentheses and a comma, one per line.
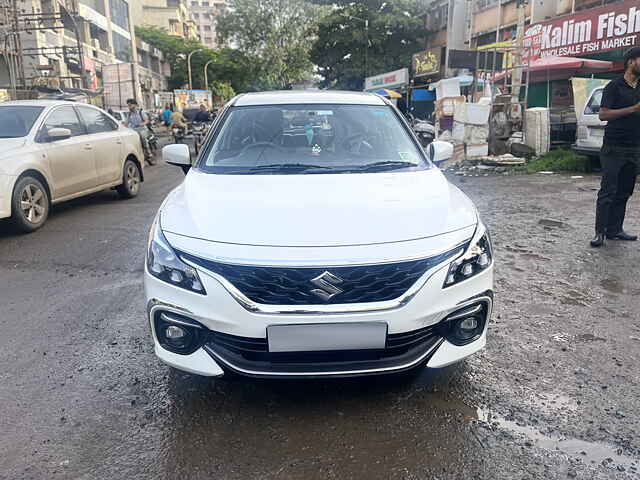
(423,95)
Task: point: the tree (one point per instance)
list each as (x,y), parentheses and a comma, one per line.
(227,65)
(396,31)
(275,36)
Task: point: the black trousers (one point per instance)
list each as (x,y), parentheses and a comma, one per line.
(619,172)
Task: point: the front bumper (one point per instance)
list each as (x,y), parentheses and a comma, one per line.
(228,324)
(587,151)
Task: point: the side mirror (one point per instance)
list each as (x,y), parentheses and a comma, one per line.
(55,134)
(440,152)
(178,155)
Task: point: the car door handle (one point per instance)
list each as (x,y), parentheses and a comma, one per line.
(88,147)
(119,142)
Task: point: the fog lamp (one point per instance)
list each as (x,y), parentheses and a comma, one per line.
(178,334)
(465,325)
(174,332)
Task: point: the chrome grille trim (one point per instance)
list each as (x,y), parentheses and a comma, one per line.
(398,302)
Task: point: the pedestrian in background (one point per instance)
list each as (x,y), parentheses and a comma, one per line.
(620,154)
(166,115)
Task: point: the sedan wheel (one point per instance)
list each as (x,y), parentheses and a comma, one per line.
(30,207)
(131,180)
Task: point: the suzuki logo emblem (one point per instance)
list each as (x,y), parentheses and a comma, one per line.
(327,284)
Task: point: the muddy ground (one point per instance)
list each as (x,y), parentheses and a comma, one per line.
(555,395)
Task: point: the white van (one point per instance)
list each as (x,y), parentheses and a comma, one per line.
(590,131)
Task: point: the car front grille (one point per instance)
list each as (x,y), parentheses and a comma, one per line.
(252,354)
(293,285)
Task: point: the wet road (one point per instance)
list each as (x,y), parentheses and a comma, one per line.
(555,395)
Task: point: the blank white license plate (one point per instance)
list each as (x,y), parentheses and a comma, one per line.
(319,337)
(597,132)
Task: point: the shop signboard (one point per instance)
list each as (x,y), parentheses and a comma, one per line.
(90,69)
(601,29)
(426,63)
(192,99)
(396,79)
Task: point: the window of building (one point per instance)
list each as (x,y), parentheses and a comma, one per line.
(207,28)
(120,13)
(205,4)
(97,5)
(122,47)
(173,3)
(99,37)
(484,4)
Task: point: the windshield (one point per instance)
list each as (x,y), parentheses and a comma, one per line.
(17,121)
(291,139)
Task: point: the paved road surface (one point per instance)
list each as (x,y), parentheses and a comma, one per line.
(555,395)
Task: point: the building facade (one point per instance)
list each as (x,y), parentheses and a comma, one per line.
(174,16)
(205,14)
(68,43)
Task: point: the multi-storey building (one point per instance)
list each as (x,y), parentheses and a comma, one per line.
(174,16)
(66,43)
(205,14)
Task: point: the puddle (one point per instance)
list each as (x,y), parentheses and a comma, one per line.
(591,452)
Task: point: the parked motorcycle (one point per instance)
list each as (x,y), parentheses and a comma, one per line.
(424,130)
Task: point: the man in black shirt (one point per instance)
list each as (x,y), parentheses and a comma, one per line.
(203,115)
(620,154)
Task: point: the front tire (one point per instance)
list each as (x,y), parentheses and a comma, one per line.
(131,179)
(29,204)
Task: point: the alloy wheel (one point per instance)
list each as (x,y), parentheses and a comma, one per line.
(133,179)
(32,203)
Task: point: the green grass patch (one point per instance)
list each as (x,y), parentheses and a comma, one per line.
(559,161)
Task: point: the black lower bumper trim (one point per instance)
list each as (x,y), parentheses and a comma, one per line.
(325,364)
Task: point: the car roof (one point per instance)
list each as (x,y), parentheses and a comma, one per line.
(42,103)
(298,97)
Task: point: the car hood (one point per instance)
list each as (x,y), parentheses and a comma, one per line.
(316,209)
(9,145)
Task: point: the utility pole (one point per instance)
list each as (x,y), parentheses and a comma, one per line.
(499,21)
(206,76)
(516,72)
(189,65)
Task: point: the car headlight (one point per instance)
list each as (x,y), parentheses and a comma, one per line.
(164,264)
(477,258)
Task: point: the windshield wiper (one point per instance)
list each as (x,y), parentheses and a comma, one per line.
(386,165)
(289,166)
(11,136)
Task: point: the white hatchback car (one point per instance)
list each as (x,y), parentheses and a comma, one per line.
(314,237)
(52,151)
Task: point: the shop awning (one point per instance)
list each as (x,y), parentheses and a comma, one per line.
(388,93)
(557,68)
